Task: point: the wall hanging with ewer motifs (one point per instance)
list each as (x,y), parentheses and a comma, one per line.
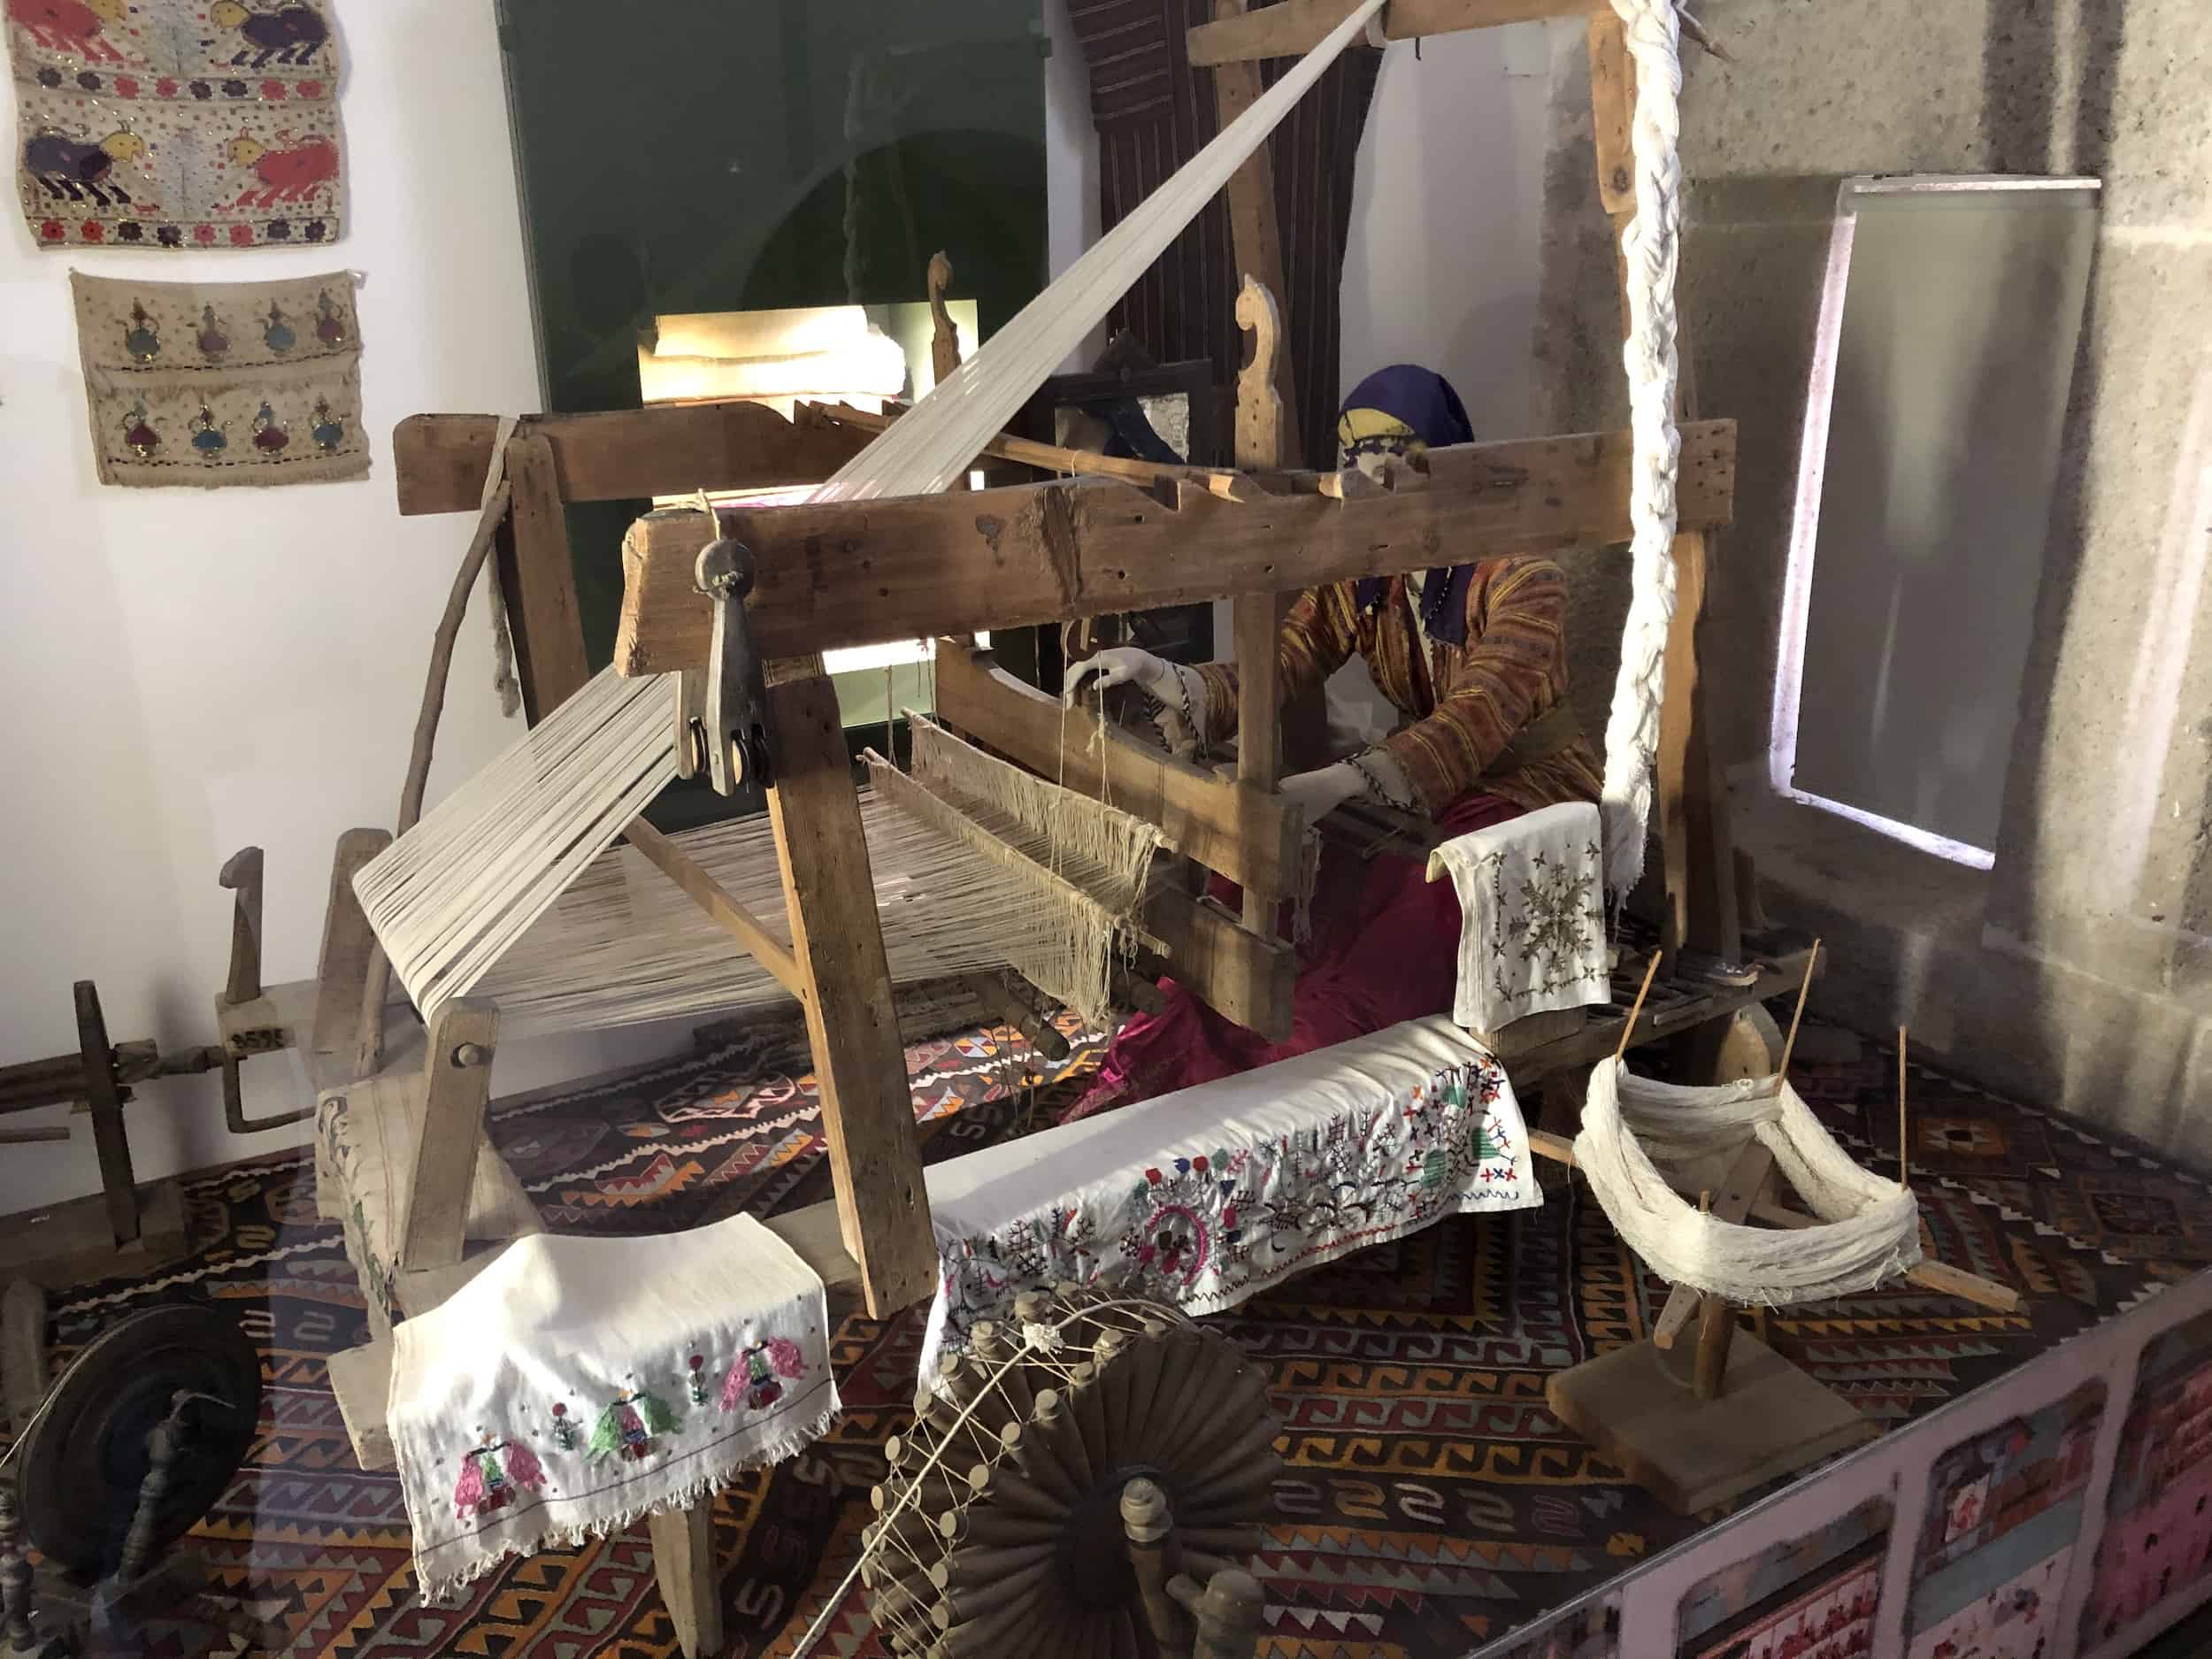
(215,383)
(187,124)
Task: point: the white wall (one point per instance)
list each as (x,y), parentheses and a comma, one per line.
(1442,264)
(1072,216)
(187,671)
(1441,267)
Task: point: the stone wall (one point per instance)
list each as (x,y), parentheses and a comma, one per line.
(2079,971)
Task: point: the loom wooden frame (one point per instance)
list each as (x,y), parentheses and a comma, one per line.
(1236,825)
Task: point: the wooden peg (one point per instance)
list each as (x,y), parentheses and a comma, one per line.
(1904,1159)
(1782,1071)
(1643,990)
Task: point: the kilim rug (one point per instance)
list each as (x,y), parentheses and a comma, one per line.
(1431,1504)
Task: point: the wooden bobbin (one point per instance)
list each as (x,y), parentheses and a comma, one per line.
(972,1566)
(1057,1434)
(1025,1451)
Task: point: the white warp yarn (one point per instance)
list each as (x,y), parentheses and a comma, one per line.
(447,903)
(1651,250)
(1631,1127)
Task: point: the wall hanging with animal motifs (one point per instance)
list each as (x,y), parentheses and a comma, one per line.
(190,124)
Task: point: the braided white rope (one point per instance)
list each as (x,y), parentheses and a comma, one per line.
(1651,251)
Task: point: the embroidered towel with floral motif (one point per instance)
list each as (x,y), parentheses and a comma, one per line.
(1532,931)
(575,1385)
(1209,1196)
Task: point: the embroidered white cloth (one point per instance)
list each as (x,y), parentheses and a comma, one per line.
(1208,1195)
(577,1384)
(1532,931)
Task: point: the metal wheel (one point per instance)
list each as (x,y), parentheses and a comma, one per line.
(85,1458)
(1003,1534)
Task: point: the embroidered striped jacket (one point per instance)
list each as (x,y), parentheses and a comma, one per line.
(1511,669)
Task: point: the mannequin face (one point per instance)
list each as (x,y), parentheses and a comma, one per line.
(1375,443)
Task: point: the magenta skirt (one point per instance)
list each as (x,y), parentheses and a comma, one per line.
(1384,949)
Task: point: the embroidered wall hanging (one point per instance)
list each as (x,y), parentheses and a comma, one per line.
(1532,931)
(176,123)
(577,1384)
(1209,1196)
(214,383)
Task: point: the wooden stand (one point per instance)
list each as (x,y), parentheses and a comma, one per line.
(1768,1419)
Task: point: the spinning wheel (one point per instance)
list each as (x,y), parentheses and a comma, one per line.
(86,1459)
(132,1445)
(1068,1486)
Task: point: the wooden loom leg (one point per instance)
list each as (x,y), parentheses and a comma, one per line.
(456,1083)
(1700,911)
(867,1107)
(683,1564)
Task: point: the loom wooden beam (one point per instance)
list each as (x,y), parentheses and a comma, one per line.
(837,942)
(699,885)
(1232,970)
(1248,834)
(1296,27)
(622,455)
(1048,457)
(838,573)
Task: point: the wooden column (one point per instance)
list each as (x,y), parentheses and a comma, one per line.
(1256,619)
(829,893)
(1700,871)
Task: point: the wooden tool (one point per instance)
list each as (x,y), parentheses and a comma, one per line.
(125,1228)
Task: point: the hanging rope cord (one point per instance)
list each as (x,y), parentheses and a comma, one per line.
(1651,252)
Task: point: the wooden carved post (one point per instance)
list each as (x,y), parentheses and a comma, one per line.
(1256,619)
(1255,236)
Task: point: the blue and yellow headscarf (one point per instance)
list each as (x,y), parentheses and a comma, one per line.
(1404,409)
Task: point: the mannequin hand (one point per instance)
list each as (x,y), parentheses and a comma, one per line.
(1318,793)
(1120,665)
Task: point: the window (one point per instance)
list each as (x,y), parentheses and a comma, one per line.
(1941,373)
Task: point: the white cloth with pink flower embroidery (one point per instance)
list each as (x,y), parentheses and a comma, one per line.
(577,1384)
(1208,1195)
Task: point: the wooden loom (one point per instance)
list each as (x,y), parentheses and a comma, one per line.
(1124,536)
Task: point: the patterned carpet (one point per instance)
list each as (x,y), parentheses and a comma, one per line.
(1431,1503)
